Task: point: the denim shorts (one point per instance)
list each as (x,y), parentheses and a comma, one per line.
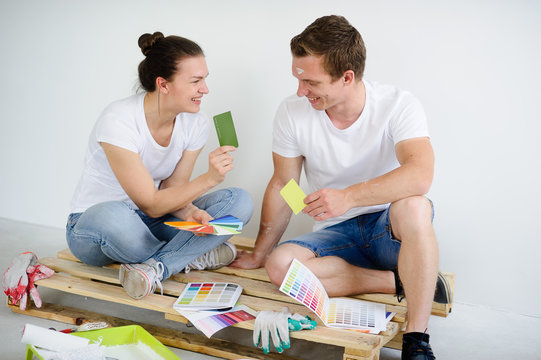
(365,241)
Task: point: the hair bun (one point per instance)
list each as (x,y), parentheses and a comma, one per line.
(147,41)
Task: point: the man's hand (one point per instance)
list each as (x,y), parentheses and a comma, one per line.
(326,203)
(248,260)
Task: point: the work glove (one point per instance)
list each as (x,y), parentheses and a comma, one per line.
(20,276)
(277,326)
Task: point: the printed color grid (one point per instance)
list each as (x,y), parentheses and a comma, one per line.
(208,296)
(302,285)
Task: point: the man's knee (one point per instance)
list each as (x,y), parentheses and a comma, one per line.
(410,214)
(280,259)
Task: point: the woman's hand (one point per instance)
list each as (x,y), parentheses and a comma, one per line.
(200,216)
(220,163)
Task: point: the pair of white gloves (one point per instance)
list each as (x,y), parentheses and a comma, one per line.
(19,278)
(277,326)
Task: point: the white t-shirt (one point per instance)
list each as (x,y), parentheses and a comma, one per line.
(123,124)
(335,158)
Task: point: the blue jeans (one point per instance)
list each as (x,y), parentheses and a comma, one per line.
(365,241)
(115,232)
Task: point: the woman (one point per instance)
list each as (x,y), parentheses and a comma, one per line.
(137,172)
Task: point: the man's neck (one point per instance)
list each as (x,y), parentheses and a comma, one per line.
(343,115)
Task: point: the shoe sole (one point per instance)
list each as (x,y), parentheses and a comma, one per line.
(136,279)
(446,289)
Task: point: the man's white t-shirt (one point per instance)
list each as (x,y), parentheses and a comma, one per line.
(335,158)
(123,124)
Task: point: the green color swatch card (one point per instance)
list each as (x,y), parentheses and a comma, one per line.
(225,129)
(294,196)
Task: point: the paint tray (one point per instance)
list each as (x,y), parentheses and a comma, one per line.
(122,335)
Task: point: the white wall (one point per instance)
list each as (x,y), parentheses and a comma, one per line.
(473,64)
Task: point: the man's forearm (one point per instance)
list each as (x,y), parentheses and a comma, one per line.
(275,217)
(400,183)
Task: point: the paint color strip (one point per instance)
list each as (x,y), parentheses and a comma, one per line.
(211,321)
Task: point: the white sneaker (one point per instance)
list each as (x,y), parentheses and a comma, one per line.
(216,258)
(139,280)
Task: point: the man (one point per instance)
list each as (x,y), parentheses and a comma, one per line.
(368,158)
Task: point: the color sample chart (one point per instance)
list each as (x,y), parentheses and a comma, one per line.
(350,313)
(225,225)
(294,196)
(302,285)
(208,322)
(208,296)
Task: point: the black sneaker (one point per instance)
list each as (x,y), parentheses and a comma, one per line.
(442,295)
(415,349)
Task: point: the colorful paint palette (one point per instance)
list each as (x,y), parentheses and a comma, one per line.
(302,285)
(225,225)
(208,296)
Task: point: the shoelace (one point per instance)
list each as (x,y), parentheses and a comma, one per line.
(424,349)
(398,286)
(202,262)
(159,273)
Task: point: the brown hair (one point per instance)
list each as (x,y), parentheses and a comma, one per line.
(162,55)
(334,38)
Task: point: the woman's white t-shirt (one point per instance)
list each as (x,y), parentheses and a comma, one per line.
(335,158)
(123,124)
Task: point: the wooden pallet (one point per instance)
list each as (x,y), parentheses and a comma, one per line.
(102,283)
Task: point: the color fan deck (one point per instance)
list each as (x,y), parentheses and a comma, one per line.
(258,293)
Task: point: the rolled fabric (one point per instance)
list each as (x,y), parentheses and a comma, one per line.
(50,339)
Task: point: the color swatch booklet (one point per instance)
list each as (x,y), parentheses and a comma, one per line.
(225,225)
(208,296)
(302,285)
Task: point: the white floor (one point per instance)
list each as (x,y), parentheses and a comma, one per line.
(470,332)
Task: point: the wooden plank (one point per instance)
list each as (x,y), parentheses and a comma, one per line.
(243,243)
(164,304)
(107,274)
(249,286)
(331,336)
(396,342)
(171,286)
(261,275)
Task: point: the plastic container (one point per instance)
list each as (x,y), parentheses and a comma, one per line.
(122,335)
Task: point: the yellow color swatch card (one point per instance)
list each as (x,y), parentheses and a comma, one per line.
(294,196)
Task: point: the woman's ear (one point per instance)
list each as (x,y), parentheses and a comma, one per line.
(162,85)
